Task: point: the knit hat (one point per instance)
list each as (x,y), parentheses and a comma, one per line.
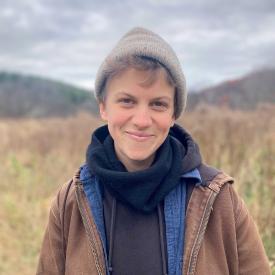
(145,43)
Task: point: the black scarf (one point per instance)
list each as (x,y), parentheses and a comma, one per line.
(143,190)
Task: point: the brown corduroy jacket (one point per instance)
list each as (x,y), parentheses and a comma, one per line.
(220,235)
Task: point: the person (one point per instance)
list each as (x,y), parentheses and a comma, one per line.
(144,202)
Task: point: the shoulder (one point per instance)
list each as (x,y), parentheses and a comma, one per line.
(214,181)
(65,198)
(222,185)
(228,209)
(213,175)
(227,198)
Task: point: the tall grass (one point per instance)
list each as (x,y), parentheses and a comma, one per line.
(37,156)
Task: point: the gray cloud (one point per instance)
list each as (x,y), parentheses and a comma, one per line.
(67,40)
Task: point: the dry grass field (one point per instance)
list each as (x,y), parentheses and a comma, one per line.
(37,156)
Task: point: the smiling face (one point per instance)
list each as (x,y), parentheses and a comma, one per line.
(139,115)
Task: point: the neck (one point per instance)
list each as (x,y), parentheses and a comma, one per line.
(136,165)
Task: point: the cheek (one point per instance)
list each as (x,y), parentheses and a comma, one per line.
(165,123)
(118,119)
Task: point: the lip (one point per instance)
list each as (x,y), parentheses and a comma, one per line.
(138,136)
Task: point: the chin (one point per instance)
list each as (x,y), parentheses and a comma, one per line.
(139,157)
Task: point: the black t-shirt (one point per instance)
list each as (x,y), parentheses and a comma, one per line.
(137,244)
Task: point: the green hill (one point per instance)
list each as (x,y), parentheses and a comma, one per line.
(244,93)
(31,96)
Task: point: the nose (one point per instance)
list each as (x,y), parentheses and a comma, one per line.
(142,118)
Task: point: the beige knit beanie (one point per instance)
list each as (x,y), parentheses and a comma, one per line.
(143,42)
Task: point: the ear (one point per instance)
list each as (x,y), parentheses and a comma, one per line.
(102,111)
(173,119)
(172,122)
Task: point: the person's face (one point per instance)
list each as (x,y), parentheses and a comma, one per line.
(138,116)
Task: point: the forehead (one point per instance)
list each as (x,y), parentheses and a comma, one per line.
(136,81)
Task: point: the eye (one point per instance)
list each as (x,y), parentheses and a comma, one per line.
(159,105)
(126,101)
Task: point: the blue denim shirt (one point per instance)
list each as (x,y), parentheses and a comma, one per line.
(174,214)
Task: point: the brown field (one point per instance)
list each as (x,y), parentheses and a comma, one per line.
(37,156)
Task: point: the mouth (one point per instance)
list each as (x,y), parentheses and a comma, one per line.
(138,136)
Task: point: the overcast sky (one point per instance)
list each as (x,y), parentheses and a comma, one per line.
(68,39)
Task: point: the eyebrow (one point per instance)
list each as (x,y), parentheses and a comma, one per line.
(156,98)
(124,93)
